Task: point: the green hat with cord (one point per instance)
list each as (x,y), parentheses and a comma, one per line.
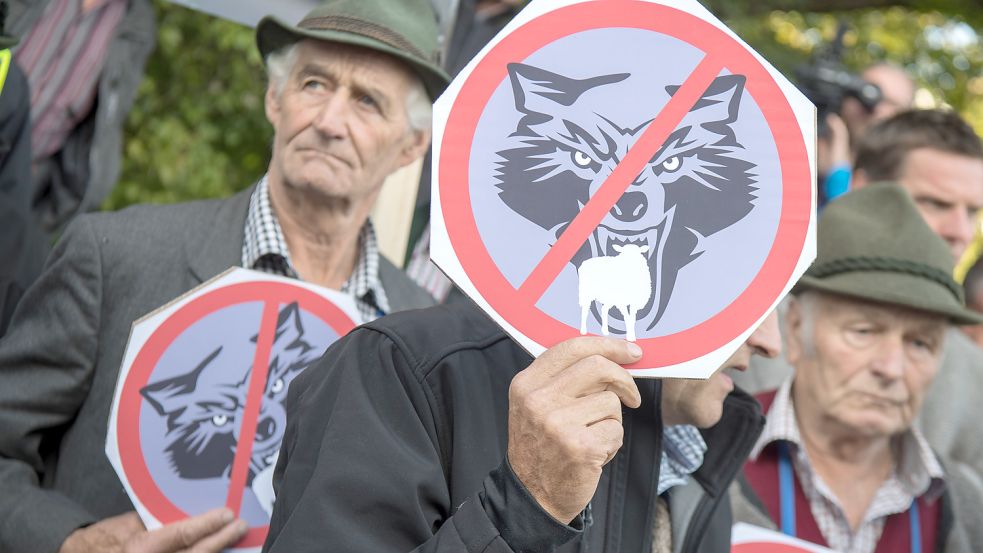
(874,245)
(404,29)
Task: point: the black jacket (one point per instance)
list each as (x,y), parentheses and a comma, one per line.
(396,441)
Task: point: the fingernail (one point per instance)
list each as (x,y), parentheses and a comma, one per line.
(634,349)
(241,527)
(227,515)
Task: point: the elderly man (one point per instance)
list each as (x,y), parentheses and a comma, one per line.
(348,98)
(938,159)
(839,462)
(434,430)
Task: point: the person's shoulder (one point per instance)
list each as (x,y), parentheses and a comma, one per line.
(436,332)
(402,291)
(960,349)
(157,223)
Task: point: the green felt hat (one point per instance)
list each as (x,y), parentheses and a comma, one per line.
(405,29)
(874,245)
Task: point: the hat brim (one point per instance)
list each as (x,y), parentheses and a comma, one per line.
(899,289)
(273,33)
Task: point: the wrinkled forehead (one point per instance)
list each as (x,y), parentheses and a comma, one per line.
(346,59)
(845,307)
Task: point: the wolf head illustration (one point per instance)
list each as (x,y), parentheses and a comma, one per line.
(201,407)
(564,148)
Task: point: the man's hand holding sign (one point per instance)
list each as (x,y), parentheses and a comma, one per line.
(565,420)
(209,532)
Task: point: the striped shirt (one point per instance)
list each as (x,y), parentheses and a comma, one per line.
(265,249)
(916,472)
(62,56)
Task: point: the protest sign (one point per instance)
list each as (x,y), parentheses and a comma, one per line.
(198,413)
(747,538)
(624,167)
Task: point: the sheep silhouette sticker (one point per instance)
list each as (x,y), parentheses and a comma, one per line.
(621,281)
(198,415)
(582,188)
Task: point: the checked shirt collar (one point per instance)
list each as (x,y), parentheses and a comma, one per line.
(683,448)
(265,249)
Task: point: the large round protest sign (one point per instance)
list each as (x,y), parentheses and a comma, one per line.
(624,168)
(198,415)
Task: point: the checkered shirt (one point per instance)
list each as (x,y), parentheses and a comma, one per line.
(683,448)
(265,249)
(916,472)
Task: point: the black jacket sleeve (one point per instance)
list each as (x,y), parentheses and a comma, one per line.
(362,468)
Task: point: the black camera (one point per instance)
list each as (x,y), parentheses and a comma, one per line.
(826,81)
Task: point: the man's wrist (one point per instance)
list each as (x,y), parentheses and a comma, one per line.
(521,521)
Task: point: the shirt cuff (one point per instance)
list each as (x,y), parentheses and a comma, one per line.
(520,520)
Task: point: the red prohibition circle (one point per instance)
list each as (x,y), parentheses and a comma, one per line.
(490,72)
(128,419)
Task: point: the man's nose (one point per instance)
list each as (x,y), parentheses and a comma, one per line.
(889,363)
(331,119)
(766,340)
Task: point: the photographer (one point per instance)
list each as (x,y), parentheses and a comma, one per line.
(847,105)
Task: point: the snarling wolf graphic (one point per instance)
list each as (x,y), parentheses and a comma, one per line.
(564,148)
(201,407)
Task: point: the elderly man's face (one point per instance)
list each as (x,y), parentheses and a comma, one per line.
(948,190)
(340,122)
(863,367)
(701,402)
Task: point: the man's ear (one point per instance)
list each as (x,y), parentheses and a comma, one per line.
(272,104)
(793,331)
(415,147)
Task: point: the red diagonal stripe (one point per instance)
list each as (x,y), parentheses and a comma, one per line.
(254,397)
(623,175)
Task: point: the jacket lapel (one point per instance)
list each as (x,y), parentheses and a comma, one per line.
(221,248)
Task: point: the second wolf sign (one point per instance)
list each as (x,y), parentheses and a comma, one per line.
(624,167)
(199,410)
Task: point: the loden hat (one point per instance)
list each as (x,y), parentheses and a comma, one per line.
(874,245)
(406,29)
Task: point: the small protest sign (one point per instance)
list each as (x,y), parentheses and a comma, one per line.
(747,538)
(198,413)
(627,168)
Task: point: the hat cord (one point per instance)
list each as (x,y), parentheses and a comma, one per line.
(887,264)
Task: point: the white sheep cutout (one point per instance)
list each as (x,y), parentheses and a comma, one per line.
(621,281)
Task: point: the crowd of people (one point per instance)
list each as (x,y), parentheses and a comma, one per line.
(846,418)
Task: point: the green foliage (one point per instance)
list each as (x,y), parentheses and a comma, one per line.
(197,128)
(939,48)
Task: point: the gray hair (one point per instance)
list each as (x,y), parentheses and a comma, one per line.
(419,111)
(807,302)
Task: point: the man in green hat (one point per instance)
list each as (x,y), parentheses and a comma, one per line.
(349,99)
(839,462)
